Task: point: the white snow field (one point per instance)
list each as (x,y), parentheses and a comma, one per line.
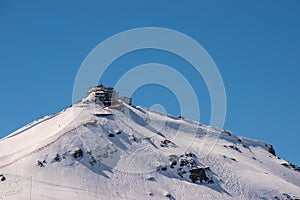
(91,152)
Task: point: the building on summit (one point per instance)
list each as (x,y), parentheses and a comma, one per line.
(108,95)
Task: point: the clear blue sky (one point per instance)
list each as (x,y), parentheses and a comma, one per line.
(255,44)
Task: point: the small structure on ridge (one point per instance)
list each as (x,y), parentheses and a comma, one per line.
(108,96)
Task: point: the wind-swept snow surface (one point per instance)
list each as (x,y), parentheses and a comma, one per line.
(91,152)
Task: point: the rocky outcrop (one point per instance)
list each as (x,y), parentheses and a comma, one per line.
(290,165)
(187,167)
(198,173)
(78,153)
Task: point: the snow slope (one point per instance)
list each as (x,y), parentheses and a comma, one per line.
(90,152)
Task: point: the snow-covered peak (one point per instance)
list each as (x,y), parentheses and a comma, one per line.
(89,151)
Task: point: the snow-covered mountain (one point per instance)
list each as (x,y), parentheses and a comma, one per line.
(91,152)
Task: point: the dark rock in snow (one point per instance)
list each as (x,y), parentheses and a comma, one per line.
(272,150)
(118,132)
(173,164)
(290,197)
(233,147)
(190,154)
(151,179)
(133,138)
(210,181)
(2,177)
(183,162)
(169,196)
(111,135)
(293,166)
(167,143)
(93,160)
(285,164)
(161,168)
(57,158)
(78,153)
(164,168)
(228,132)
(198,173)
(40,164)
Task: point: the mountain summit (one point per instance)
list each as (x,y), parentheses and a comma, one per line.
(93,150)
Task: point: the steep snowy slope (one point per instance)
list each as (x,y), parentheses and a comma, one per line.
(91,152)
